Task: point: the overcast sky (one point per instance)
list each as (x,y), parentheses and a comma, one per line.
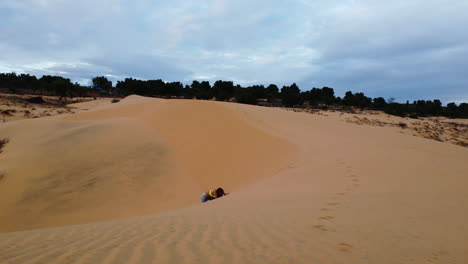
(403,49)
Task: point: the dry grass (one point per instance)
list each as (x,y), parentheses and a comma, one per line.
(402,125)
(17,107)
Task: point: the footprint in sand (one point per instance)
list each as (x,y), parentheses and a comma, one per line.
(327,217)
(321,227)
(442,252)
(436,256)
(345,247)
(340,161)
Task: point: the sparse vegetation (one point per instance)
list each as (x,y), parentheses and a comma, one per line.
(36,100)
(8,112)
(402,125)
(3,142)
(5,113)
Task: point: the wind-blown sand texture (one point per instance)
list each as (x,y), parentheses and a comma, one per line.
(304,188)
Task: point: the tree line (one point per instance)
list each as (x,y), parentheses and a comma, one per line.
(46,85)
(288,95)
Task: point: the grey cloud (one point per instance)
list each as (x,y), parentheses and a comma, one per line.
(142,66)
(408,51)
(402,49)
(118,68)
(405,78)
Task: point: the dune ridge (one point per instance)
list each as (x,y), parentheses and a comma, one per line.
(348,194)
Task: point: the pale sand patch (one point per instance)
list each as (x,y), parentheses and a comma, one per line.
(355,194)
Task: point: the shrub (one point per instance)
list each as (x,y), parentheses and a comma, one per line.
(8,112)
(402,125)
(36,100)
(3,142)
(115,101)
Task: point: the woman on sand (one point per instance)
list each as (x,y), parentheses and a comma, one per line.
(212,194)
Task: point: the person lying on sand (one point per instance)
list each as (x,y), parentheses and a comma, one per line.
(212,194)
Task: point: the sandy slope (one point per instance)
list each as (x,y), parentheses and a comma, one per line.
(344,194)
(138,157)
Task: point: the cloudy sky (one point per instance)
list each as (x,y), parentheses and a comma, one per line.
(403,49)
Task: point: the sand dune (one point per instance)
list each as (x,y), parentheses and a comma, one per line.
(305,188)
(134,158)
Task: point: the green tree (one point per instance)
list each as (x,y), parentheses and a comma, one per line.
(317,96)
(451,110)
(463,110)
(272,92)
(246,96)
(348,99)
(223,90)
(102,83)
(362,101)
(61,87)
(291,95)
(379,103)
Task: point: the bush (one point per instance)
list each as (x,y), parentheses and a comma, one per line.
(115,101)
(36,100)
(402,125)
(8,112)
